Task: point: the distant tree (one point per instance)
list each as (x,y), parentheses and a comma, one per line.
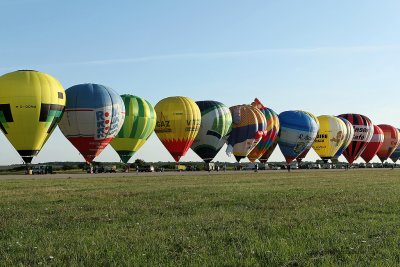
(139,163)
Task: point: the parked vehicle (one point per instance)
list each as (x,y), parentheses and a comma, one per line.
(110,169)
(147,168)
(42,169)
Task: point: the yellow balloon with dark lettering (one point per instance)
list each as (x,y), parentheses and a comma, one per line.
(330,137)
(178,122)
(31,105)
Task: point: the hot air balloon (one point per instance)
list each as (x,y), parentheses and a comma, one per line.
(363,131)
(248,127)
(216,122)
(93,117)
(297,133)
(178,122)
(347,138)
(390,141)
(374,145)
(330,137)
(396,154)
(139,123)
(270,138)
(31,105)
(305,152)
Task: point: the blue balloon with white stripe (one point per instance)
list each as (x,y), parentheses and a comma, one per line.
(298,131)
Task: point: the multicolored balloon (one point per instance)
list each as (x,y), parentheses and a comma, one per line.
(297,133)
(248,128)
(216,123)
(139,123)
(270,138)
(265,157)
(31,105)
(374,145)
(330,136)
(363,131)
(391,141)
(178,122)
(347,138)
(302,156)
(396,154)
(93,117)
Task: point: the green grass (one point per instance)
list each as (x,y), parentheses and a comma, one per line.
(267,218)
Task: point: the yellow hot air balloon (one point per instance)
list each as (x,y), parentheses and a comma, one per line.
(178,122)
(31,105)
(330,136)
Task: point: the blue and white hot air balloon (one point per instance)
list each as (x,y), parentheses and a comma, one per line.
(297,133)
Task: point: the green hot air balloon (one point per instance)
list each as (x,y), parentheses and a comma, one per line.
(140,120)
(216,122)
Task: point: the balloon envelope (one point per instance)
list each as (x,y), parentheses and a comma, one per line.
(330,136)
(139,123)
(216,122)
(31,105)
(374,145)
(363,131)
(347,138)
(396,154)
(248,127)
(271,136)
(390,141)
(178,122)
(305,152)
(93,117)
(297,133)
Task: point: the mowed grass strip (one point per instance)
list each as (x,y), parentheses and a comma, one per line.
(266,218)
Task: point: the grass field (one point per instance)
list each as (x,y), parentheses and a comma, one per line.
(267,218)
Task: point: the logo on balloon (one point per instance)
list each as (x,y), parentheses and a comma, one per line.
(360,133)
(107,123)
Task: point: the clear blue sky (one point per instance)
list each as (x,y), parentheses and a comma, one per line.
(326,57)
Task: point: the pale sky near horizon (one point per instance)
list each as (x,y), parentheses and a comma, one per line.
(325,57)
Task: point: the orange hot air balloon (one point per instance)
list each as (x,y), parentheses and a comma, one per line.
(178,122)
(390,141)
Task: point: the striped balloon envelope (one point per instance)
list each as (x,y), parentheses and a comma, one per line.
(302,156)
(216,122)
(363,131)
(390,141)
(347,138)
(265,157)
(330,136)
(374,145)
(178,122)
(271,136)
(248,128)
(396,154)
(297,133)
(93,116)
(31,105)
(139,123)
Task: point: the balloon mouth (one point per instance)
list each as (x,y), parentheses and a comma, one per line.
(27,159)
(177,158)
(27,155)
(289,160)
(238,158)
